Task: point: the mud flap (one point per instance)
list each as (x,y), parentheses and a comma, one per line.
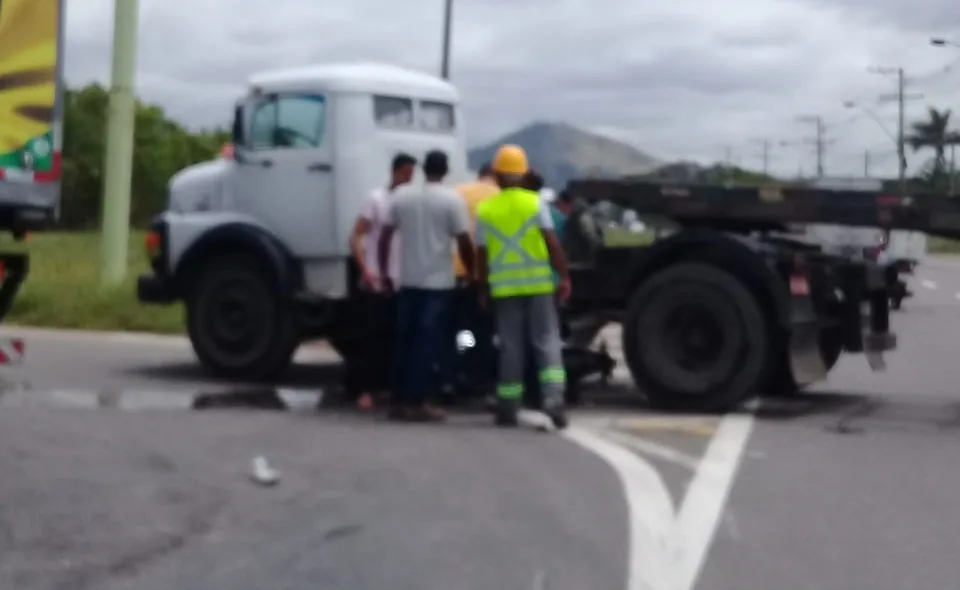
(806,360)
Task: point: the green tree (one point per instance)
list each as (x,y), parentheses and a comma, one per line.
(161,148)
(934,133)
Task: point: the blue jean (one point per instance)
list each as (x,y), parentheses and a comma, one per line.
(422,331)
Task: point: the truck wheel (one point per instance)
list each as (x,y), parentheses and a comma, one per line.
(780,382)
(695,339)
(238,324)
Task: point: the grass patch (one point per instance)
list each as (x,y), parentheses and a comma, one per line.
(936,245)
(63,289)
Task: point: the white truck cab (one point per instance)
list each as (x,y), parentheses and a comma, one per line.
(257,245)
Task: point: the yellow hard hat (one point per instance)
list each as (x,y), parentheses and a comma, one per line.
(510,159)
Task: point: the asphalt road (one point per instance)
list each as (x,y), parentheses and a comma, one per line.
(849,486)
(159,500)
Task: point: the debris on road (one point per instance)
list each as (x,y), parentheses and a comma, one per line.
(262,472)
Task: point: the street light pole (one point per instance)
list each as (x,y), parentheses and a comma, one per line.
(901,152)
(447,31)
(118,163)
(873,115)
(941,42)
(901,97)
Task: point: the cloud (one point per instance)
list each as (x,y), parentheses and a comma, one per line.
(682,79)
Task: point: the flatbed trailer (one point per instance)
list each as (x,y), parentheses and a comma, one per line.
(730,304)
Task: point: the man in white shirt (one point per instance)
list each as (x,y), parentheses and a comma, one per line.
(371,372)
(429,219)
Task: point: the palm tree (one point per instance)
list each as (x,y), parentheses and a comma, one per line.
(934,133)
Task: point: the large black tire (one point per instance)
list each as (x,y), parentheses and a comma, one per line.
(780,381)
(692,310)
(240,325)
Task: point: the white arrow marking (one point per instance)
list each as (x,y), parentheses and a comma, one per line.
(667,547)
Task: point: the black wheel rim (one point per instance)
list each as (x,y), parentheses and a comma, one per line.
(693,337)
(236,315)
(690,343)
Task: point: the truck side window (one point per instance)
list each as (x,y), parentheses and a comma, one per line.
(295,122)
(393,111)
(437,117)
(262,124)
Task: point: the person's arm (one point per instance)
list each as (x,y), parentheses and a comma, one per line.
(383,245)
(460,231)
(558,258)
(361,228)
(483,270)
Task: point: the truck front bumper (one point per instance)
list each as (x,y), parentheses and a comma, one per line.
(155,290)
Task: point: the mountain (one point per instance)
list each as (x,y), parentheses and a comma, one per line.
(561,152)
(679,172)
(693,173)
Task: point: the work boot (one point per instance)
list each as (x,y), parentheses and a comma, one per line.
(557,413)
(505,414)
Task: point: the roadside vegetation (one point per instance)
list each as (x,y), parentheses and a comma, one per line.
(943,246)
(63,290)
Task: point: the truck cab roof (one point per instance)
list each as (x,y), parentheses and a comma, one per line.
(362,77)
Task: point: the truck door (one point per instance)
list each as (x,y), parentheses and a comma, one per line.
(285,179)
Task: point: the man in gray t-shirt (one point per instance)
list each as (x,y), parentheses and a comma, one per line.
(429,218)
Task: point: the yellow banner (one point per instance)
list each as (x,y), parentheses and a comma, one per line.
(28,82)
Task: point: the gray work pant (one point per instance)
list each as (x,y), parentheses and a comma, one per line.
(533,317)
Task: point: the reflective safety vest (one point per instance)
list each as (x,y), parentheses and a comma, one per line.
(517,255)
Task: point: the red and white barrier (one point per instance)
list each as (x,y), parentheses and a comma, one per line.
(11,351)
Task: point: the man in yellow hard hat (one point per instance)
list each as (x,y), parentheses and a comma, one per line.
(518,253)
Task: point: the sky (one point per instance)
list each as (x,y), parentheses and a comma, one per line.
(700,80)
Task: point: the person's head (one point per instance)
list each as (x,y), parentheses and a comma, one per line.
(564,201)
(486,172)
(401,169)
(435,166)
(532,181)
(510,166)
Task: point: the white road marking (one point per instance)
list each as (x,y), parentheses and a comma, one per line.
(668,547)
(707,497)
(663,452)
(928,284)
(649,507)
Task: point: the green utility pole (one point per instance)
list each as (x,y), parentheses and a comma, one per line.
(118,159)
